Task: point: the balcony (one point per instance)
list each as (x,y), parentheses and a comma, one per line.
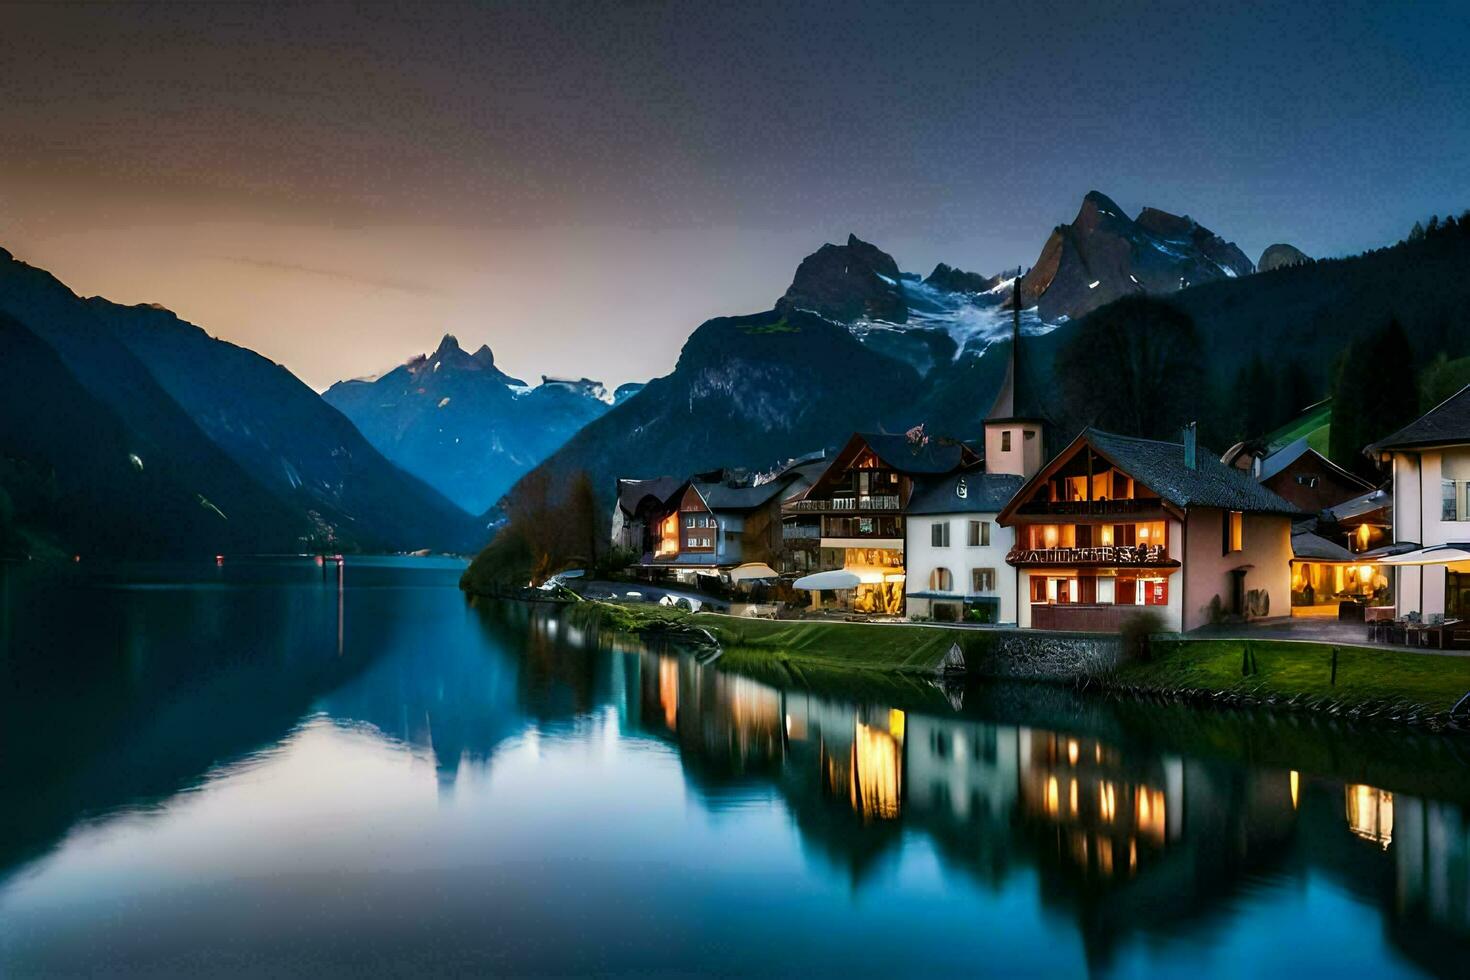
(1088,508)
(838,505)
(801,532)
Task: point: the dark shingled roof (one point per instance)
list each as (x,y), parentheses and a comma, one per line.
(1446,423)
(722,496)
(1308,546)
(933,456)
(1160,467)
(632,492)
(985,493)
(1367,503)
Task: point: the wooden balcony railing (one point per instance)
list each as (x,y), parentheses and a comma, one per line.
(801,532)
(845,504)
(1088,508)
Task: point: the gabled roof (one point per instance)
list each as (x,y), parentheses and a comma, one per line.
(1446,424)
(985,493)
(928,456)
(1284,457)
(723,496)
(1159,466)
(631,493)
(1374,500)
(1307,546)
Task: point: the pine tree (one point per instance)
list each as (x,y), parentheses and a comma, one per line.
(1416,234)
(1374,394)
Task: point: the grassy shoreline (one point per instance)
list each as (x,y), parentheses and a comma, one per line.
(1373,683)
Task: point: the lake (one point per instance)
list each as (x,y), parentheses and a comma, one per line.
(264,770)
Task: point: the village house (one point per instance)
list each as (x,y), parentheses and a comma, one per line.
(955,550)
(1115,523)
(1302,476)
(1336,570)
(641,504)
(708,524)
(854,513)
(1430,459)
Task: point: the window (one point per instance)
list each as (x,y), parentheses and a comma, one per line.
(1451,510)
(865,525)
(940,580)
(1005,441)
(1306,481)
(979,534)
(1234,532)
(939,534)
(689,520)
(982,580)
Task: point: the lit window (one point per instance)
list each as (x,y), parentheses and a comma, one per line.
(1234,531)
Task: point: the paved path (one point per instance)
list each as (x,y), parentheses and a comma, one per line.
(1311,628)
(649,592)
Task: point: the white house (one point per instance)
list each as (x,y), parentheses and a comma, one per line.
(955,550)
(1431,509)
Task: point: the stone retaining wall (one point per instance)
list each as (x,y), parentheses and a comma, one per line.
(1045,655)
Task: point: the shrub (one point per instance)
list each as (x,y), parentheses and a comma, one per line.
(1136,633)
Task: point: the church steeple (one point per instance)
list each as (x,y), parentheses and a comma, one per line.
(1015,427)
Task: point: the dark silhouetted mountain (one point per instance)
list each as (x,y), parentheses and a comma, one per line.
(846,283)
(283,468)
(465,427)
(1279,256)
(78,477)
(300,447)
(959,281)
(1104,254)
(747,391)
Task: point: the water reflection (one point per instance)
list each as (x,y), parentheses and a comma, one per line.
(1043,831)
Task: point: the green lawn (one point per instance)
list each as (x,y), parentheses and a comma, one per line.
(1288,667)
(900,647)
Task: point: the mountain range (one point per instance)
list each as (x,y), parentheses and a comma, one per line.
(753,390)
(131,431)
(128,430)
(464,426)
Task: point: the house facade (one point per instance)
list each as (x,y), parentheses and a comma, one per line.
(853,515)
(1430,460)
(1114,524)
(716,521)
(641,504)
(956,549)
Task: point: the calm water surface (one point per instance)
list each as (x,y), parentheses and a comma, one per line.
(250,770)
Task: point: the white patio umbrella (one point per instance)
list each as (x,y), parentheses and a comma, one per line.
(751,571)
(1442,554)
(823,581)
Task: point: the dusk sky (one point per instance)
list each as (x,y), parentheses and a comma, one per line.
(338,185)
